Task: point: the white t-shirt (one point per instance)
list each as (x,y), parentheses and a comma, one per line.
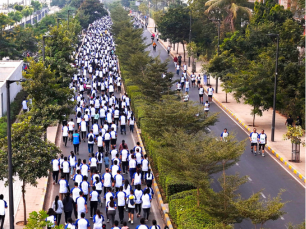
(121,198)
(146,203)
(81,202)
(122,120)
(107,178)
(3,205)
(65,131)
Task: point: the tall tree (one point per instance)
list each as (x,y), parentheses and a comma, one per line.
(171,114)
(31,155)
(174,25)
(195,156)
(94,9)
(232,7)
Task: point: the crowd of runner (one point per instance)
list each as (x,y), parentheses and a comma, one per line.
(99,116)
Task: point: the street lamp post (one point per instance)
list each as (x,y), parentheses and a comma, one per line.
(43,45)
(155,11)
(189,36)
(9,152)
(58,19)
(68,17)
(218,20)
(275,85)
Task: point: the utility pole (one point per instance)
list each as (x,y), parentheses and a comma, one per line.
(217,20)
(189,36)
(275,85)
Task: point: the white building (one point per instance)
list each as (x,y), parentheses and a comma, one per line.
(9,70)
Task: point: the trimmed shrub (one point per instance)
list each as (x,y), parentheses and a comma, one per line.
(193,218)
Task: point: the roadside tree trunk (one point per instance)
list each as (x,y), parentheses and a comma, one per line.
(177,48)
(24,203)
(184,52)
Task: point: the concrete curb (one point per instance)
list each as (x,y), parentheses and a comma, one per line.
(43,198)
(155,186)
(269,149)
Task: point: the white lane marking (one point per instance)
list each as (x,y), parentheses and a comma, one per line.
(275,159)
(237,164)
(282,218)
(267,153)
(250,179)
(209,130)
(263,195)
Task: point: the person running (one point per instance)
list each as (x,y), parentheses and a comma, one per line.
(82,223)
(193,79)
(254,139)
(64,187)
(121,199)
(76,142)
(94,199)
(98,220)
(201,93)
(146,204)
(154,225)
(263,140)
(58,207)
(81,205)
(65,132)
(3,206)
(55,170)
(68,207)
(51,218)
(210,92)
(111,210)
(206,108)
(138,194)
(131,206)
(224,135)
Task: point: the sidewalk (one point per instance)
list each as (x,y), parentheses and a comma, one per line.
(34,196)
(242,113)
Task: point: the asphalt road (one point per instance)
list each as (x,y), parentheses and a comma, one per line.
(264,173)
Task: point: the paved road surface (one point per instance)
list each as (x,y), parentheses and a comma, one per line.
(264,173)
(131,140)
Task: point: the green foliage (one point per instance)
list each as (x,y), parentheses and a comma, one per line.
(50,101)
(260,211)
(143,8)
(174,25)
(246,64)
(36,5)
(37,220)
(27,11)
(15,16)
(294,134)
(59,3)
(18,7)
(92,8)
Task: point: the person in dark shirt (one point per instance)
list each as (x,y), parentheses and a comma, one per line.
(289,121)
(298,121)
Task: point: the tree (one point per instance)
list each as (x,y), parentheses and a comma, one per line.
(195,156)
(143,8)
(36,5)
(18,7)
(59,3)
(171,114)
(37,220)
(125,3)
(94,9)
(260,211)
(174,25)
(24,39)
(221,204)
(27,11)
(233,8)
(31,155)
(15,16)
(50,101)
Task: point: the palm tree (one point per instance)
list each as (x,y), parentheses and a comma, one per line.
(233,7)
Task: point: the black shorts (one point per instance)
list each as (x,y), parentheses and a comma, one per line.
(70,131)
(199,82)
(253,144)
(262,146)
(201,95)
(209,96)
(178,90)
(93,169)
(131,210)
(192,81)
(113,141)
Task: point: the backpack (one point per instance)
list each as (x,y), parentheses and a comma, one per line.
(132,201)
(90,138)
